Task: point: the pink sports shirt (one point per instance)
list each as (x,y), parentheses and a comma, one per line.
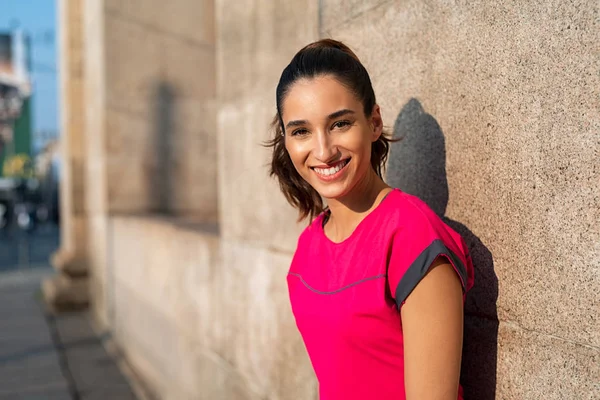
(346,296)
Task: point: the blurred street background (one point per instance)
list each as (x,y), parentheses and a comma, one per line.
(29,134)
(43,355)
(28,249)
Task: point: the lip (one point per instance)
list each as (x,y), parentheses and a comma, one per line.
(323,166)
(335,176)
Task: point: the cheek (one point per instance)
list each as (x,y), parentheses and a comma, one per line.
(296,154)
(361,146)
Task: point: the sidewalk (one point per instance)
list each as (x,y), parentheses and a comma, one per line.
(50,358)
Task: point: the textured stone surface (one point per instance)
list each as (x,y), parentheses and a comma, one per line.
(161,144)
(149,121)
(198,310)
(258,319)
(161,304)
(505,361)
(138,65)
(502,100)
(150,172)
(538,366)
(255,52)
(336,13)
(192,21)
(252,54)
(252,206)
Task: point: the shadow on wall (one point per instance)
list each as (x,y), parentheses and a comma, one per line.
(160,176)
(417,165)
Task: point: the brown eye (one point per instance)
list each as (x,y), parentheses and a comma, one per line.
(340,124)
(299,132)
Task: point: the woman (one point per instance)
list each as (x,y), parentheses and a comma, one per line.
(377,282)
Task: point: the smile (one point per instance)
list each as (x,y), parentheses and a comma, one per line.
(333,171)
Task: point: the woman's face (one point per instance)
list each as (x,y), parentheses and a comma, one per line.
(328,136)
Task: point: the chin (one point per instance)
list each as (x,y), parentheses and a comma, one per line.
(331,191)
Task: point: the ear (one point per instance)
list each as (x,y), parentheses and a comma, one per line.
(376,123)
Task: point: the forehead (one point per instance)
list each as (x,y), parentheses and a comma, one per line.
(316,98)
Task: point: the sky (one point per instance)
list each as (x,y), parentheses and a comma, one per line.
(37,19)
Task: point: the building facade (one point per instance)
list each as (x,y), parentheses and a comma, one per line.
(15,97)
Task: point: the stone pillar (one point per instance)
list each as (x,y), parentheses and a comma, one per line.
(69,288)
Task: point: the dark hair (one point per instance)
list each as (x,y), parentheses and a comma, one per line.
(324,57)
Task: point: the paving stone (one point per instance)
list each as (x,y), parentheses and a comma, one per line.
(49,357)
(93,372)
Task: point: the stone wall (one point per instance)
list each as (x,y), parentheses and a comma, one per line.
(498,105)
(190,240)
(149,120)
(256,40)
(160,91)
(188,246)
(205,314)
(201,317)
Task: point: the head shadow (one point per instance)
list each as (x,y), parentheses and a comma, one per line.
(163,139)
(417,165)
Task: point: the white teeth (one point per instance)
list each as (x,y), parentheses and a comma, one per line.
(330,171)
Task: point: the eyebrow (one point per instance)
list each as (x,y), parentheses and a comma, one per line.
(331,116)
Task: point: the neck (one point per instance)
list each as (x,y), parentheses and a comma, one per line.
(349,210)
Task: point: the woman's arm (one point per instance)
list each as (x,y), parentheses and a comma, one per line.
(432,324)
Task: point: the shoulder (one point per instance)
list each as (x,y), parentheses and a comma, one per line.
(408,212)
(307,244)
(311,232)
(421,236)
(417,222)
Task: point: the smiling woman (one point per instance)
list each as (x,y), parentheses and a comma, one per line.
(330,146)
(377,282)
(334,65)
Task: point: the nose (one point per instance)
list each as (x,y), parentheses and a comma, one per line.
(325,151)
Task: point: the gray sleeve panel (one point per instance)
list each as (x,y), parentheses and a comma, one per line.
(418,269)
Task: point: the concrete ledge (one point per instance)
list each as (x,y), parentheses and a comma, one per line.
(64,293)
(66,262)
